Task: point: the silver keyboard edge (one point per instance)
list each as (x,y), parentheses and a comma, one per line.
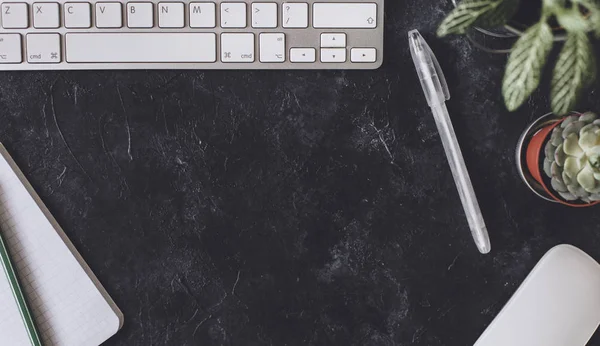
(357,38)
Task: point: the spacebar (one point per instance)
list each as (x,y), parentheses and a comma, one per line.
(140,47)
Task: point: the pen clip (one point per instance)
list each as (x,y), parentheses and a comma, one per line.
(438,71)
(428,68)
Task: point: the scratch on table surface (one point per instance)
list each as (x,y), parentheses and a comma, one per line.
(61,176)
(126,125)
(75,94)
(46,124)
(162,104)
(201,323)
(220,302)
(418,333)
(235,283)
(214,99)
(188,291)
(507,211)
(173,286)
(488,310)
(106,152)
(141,322)
(454,262)
(382,140)
(191,318)
(62,136)
(445,312)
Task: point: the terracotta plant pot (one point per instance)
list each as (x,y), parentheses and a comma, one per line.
(530,160)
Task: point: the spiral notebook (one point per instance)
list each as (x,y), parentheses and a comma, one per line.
(69,305)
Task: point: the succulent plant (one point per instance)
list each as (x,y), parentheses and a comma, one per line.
(572,158)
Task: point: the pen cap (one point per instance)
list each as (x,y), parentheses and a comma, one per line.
(428,69)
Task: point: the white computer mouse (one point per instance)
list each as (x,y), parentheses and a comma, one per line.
(558,304)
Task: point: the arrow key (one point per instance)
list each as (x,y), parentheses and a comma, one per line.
(303,55)
(363,55)
(332,55)
(330,40)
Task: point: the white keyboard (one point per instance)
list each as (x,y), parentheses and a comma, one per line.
(276,34)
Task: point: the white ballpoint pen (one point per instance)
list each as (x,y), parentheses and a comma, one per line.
(437,93)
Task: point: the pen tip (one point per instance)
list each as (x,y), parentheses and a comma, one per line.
(482,240)
(485,247)
(414,35)
(415,39)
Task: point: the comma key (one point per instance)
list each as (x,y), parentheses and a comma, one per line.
(10,49)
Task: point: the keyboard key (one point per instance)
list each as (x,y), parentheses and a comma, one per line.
(108,15)
(140,15)
(345,15)
(295,15)
(43,48)
(77,15)
(202,15)
(264,15)
(237,47)
(363,55)
(10,48)
(46,15)
(333,40)
(303,55)
(272,47)
(14,15)
(333,55)
(233,15)
(140,47)
(170,14)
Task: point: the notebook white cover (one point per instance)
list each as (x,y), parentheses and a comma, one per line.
(69,305)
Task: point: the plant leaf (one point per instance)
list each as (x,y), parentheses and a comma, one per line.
(486,13)
(595,23)
(499,16)
(571,19)
(593,20)
(525,65)
(575,70)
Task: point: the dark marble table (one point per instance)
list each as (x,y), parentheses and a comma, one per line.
(290,208)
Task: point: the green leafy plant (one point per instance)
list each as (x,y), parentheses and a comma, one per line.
(575,69)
